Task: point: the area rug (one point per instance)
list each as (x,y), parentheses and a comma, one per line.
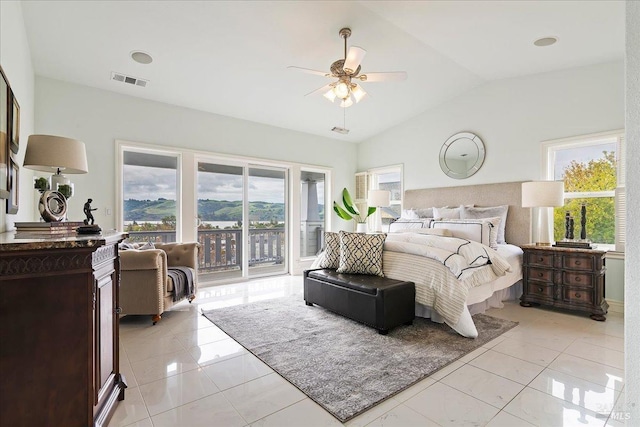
(342,365)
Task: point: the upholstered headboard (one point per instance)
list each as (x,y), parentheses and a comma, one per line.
(518,228)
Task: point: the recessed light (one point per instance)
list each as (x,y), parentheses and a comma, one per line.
(141,57)
(545,41)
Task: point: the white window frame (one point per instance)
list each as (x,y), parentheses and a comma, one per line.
(549,149)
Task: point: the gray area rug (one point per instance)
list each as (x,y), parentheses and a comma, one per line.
(342,365)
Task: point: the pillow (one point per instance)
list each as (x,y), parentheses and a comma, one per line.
(483,230)
(446,213)
(361,253)
(125,245)
(330,257)
(409,223)
(409,214)
(432,231)
(467,212)
(425,213)
(147,245)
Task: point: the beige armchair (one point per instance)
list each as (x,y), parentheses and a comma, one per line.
(145,286)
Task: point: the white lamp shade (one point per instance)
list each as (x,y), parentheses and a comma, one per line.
(379,198)
(542,194)
(49,153)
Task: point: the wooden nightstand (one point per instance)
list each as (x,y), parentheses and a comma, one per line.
(567,278)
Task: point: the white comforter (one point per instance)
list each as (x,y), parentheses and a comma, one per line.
(420,259)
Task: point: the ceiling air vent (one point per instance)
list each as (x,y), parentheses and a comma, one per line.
(119,77)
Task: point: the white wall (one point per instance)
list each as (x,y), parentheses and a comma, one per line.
(512,117)
(632,271)
(99,117)
(15,59)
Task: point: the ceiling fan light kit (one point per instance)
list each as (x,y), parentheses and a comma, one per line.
(346,70)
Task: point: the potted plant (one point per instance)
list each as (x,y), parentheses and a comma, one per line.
(351,212)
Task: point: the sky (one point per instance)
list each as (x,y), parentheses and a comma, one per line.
(581,155)
(148,183)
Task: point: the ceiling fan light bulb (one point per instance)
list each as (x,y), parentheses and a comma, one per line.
(346,103)
(342,90)
(358,93)
(330,95)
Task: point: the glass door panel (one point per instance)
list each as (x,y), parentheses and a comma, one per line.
(150,191)
(220,197)
(311,213)
(267,213)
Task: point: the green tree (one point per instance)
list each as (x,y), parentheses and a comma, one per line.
(596,175)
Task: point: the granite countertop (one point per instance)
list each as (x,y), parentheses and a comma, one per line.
(9,242)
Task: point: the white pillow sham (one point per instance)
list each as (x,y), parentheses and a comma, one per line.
(409,224)
(483,230)
(470,212)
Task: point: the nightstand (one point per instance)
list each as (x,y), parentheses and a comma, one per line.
(568,278)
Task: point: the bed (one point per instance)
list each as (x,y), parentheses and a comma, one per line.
(479,297)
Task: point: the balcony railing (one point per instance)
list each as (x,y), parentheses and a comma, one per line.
(221,250)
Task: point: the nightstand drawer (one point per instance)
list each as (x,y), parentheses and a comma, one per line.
(541,259)
(540,289)
(579,296)
(575,262)
(540,274)
(577,279)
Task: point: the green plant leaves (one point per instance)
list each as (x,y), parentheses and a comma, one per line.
(341,212)
(348,203)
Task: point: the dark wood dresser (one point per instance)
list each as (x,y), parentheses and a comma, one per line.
(567,278)
(59,362)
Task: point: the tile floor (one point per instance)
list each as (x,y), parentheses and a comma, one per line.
(554,369)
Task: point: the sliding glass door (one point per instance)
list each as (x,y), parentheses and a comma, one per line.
(220,195)
(267,221)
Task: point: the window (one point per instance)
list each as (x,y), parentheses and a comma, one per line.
(592,168)
(150,192)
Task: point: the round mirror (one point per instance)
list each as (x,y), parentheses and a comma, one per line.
(462,155)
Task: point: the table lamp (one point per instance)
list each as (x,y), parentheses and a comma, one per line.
(543,195)
(379,199)
(55,154)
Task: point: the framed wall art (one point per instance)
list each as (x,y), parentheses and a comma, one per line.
(4,136)
(15,125)
(14,181)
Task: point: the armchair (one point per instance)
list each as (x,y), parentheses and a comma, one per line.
(146,286)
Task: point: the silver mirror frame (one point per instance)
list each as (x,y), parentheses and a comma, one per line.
(449,143)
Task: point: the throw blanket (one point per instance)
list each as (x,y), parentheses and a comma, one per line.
(443,269)
(182,278)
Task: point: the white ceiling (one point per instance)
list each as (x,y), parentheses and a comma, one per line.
(230,57)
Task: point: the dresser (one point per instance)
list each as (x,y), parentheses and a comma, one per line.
(59,349)
(568,278)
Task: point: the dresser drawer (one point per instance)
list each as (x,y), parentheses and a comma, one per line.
(543,259)
(577,262)
(540,274)
(577,279)
(540,289)
(578,296)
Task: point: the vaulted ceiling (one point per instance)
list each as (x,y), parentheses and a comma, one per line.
(231,57)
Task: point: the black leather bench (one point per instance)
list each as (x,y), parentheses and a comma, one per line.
(379,302)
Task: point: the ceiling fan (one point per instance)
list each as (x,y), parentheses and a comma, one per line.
(347,71)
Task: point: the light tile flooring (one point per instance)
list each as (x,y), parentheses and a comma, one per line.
(554,369)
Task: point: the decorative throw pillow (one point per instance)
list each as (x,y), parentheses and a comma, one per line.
(488,212)
(361,253)
(331,255)
(408,214)
(146,246)
(125,245)
(424,213)
(429,231)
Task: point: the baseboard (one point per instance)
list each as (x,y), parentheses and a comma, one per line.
(616,306)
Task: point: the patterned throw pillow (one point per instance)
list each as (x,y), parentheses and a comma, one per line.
(361,253)
(331,254)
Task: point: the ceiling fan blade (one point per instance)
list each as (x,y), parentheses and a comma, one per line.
(391,76)
(354,58)
(310,71)
(324,88)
